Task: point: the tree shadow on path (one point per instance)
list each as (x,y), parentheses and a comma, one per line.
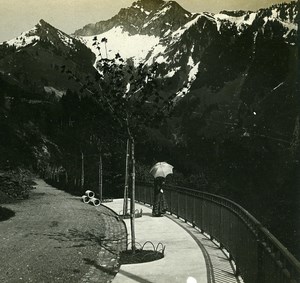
(6,213)
(111,271)
(83,238)
(86,238)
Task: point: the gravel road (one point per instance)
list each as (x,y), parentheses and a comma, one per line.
(54,237)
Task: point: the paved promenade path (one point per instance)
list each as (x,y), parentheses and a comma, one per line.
(190,256)
(54,237)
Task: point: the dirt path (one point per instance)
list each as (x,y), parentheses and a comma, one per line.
(54,237)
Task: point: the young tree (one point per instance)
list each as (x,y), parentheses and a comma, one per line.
(130,95)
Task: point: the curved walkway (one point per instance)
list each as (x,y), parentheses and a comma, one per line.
(190,256)
(54,237)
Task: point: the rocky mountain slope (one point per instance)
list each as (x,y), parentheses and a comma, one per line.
(194,50)
(229,63)
(153,17)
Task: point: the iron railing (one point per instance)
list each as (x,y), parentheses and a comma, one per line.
(258,255)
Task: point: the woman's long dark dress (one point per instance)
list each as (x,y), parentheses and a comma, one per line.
(159,205)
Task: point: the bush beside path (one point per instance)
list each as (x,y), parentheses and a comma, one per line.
(54,237)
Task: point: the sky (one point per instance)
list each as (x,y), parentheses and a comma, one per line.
(17,16)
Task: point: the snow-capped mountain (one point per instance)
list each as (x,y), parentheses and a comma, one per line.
(151,17)
(34,59)
(226,70)
(194,51)
(136,30)
(42,32)
(184,44)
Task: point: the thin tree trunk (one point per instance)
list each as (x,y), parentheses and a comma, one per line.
(66,177)
(296,136)
(100,177)
(53,174)
(125,202)
(132,206)
(57,175)
(132,199)
(82,170)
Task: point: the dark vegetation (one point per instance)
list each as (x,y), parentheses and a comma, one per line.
(257,171)
(15,185)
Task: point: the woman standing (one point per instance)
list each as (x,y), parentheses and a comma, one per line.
(159,205)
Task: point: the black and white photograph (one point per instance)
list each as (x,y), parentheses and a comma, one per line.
(149,141)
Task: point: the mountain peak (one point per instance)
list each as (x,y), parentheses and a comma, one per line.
(131,18)
(43,22)
(152,17)
(45,25)
(148,4)
(44,32)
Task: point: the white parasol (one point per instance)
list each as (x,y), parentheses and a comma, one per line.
(161,169)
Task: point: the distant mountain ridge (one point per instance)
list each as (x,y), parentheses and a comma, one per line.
(164,24)
(184,44)
(34,59)
(155,17)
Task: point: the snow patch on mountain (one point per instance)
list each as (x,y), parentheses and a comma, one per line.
(287,24)
(176,35)
(290,26)
(191,60)
(58,93)
(158,14)
(240,22)
(158,51)
(137,6)
(191,78)
(161,59)
(172,72)
(24,39)
(68,41)
(135,47)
